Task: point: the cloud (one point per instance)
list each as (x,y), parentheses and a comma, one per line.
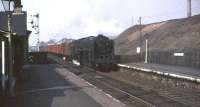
(95,27)
(80,18)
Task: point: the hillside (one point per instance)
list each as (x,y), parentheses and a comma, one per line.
(178,33)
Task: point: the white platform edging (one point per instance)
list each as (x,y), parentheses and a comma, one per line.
(162,73)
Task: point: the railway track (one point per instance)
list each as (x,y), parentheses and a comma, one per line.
(149,92)
(127,94)
(122,95)
(130,95)
(185,92)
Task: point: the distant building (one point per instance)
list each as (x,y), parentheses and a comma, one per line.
(64,40)
(33,48)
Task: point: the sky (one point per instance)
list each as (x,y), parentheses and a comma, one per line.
(80,18)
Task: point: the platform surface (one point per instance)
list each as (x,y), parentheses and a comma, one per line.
(179,70)
(44,87)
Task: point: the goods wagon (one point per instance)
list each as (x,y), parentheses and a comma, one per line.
(63,49)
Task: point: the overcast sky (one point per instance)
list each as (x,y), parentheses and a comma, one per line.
(80,18)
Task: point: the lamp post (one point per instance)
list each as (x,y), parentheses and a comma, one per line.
(10,54)
(146,52)
(146,48)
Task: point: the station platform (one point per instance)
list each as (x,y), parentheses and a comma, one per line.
(43,86)
(187,73)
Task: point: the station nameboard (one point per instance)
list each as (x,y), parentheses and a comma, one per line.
(18,23)
(138,50)
(178,54)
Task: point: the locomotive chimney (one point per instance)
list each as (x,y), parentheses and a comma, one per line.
(189,8)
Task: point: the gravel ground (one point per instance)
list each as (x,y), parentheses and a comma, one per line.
(181,91)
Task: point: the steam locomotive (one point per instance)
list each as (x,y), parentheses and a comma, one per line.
(96,52)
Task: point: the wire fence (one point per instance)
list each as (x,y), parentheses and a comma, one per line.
(181,57)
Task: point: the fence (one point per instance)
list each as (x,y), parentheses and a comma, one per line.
(181,57)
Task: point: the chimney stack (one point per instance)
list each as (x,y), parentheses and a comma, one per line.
(17,6)
(189,8)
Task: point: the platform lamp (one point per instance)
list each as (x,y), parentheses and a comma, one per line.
(8,9)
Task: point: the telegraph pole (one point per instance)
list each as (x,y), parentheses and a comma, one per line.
(140,38)
(140,31)
(189,4)
(138,50)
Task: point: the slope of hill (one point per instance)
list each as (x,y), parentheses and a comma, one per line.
(172,34)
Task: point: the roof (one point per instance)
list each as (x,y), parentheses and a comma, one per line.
(2,32)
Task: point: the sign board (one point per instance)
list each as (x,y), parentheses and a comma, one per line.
(3,21)
(18,23)
(138,50)
(178,54)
